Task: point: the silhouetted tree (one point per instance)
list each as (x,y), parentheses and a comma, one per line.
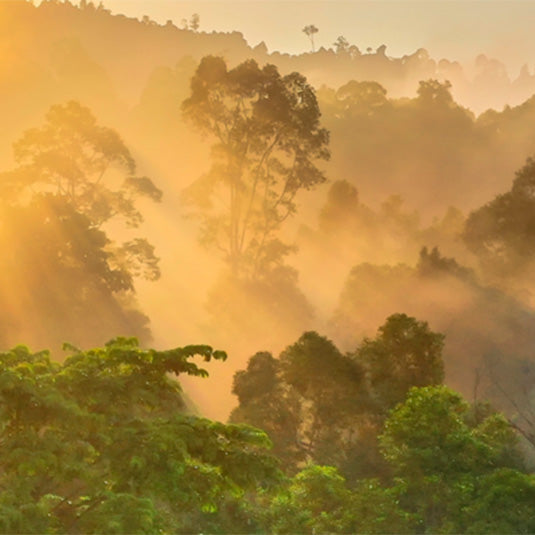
(322,406)
(309,31)
(74,177)
(405,353)
(267,139)
(305,398)
(361,98)
(264,402)
(433,92)
(194,22)
(381,51)
(501,233)
(341,45)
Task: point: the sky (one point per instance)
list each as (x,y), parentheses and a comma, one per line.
(454,29)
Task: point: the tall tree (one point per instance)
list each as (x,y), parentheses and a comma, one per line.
(310,30)
(268,139)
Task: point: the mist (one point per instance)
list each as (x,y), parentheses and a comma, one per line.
(414,149)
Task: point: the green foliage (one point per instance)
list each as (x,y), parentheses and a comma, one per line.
(446,461)
(430,428)
(405,353)
(264,402)
(101,443)
(376,509)
(477,320)
(304,400)
(312,362)
(320,405)
(442,458)
(316,501)
(504,504)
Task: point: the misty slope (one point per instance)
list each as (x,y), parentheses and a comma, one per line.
(412,147)
(43,43)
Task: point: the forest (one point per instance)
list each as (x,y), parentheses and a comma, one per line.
(245,291)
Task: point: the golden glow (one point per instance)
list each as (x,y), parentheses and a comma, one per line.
(134,75)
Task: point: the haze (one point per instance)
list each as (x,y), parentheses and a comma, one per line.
(327,207)
(457,30)
(421,148)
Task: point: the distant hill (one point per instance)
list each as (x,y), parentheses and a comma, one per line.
(134,73)
(38,39)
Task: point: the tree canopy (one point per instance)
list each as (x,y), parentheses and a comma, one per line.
(102,443)
(322,406)
(73,179)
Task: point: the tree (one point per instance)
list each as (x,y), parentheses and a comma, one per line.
(443,456)
(342,205)
(322,406)
(264,403)
(73,177)
(331,394)
(433,264)
(194,22)
(309,31)
(73,157)
(62,273)
(102,443)
(511,387)
(501,232)
(341,45)
(267,139)
(502,504)
(316,500)
(361,98)
(456,470)
(435,93)
(381,51)
(312,402)
(404,354)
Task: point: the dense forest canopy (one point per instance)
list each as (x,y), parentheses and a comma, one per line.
(347,225)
